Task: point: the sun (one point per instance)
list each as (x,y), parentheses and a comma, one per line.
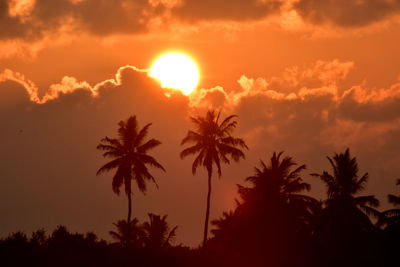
(176,70)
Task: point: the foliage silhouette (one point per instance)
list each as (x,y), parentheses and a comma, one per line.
(270,218)
(157,233)
(128,234)
(391,218)
(344,221)
(129,153)
(345,183)
(275,223)
(212,143)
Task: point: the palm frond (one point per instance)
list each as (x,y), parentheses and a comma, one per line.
(191,150)
(109,166)
(118,178)
(113,154)
(395,200)
(141,135)
(392,213)
(152,143)
(109,143)
(367,200)
(296,186)
(198,161)
(239,142)
(191,137)
(235,153)
(370,211)
(171,236)
(294,174)
(361,183)
(147,159)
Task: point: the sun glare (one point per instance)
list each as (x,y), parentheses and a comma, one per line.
(176,70)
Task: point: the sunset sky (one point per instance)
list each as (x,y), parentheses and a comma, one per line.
(308,77)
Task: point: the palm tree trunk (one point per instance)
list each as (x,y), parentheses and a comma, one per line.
(129,208)
(129,219)
(207,210)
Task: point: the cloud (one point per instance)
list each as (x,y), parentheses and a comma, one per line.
(347,13)
(217,10)
(66,86)
(33,21)
(42,17)
(307,108)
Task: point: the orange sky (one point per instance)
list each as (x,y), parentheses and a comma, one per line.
(308,77)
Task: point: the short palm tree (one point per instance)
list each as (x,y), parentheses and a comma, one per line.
(157,233)
(279,185)
(345,183)
(128,234)
(130,159)
(391,217)
(278,178)
(395,200)
(212,143)
(345,215)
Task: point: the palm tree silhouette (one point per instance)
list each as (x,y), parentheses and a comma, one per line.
(391,217)
(271,219)
(213,143)
(223,223)
(345,183)
(277,189)
(278,178)
(345,215)
(128,234)
(129,158)
(157,233)
(395,200)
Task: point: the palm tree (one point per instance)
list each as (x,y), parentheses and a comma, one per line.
(128,234)
(277,189)
(223,223)
(345,183)
(272,219)
(278,178)
(395,200)
(129,158)
(157,233)
(213,143)
(346,216)
(391,217)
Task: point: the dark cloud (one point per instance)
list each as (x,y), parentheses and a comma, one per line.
(103,18)
(347,13)
(380,106)
(98,17)
(234,10)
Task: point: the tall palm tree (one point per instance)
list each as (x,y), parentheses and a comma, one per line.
(212,143)
(129,153)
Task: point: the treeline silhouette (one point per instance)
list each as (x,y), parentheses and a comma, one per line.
(275,223)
